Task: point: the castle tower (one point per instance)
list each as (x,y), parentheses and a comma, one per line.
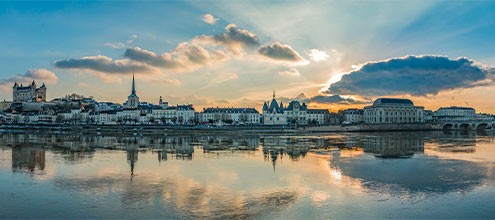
(28,93)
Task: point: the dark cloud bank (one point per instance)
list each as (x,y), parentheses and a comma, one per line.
(414,75)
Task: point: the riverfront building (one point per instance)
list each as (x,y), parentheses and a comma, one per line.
(273,113)
(179,114)
(294,113)
(454,113)
(352,115)
(229,116)
(391,110)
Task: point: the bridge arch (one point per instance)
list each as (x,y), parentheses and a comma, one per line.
(464,126)
(448,126)
(482,126)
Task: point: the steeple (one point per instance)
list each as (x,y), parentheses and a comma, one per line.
(273,94)
(133,86)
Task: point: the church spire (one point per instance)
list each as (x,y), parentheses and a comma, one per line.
(133,85)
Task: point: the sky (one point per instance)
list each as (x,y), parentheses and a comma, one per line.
(329,54)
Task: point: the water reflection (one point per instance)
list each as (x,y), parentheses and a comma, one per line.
(246,176)
(412,177)
(27,158)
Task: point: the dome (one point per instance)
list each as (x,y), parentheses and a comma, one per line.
(393,101)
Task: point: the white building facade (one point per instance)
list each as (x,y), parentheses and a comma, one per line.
(294,113)
(454,113)
(273,114)
(229,115)
(179,114)
(391,110)
(352,115)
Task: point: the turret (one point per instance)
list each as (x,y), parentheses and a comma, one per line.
(15,85)
(43,86)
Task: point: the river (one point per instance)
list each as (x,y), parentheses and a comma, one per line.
(248,176)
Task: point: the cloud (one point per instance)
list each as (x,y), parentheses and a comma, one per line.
(83,85)
(117,45)
(413,75)
(208,18)
(317,55)
(186,57)
(42,75)
(234,39)
(290,72)
(335,99)
(133,36)
(220,78)
(103,64)
(168,82)
(281,52)
(137,54)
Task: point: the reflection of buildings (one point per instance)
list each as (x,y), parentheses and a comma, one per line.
(275,148)
(215,143)
(423,174)
(397,145)
(28,158)
(132,158)
(455,141)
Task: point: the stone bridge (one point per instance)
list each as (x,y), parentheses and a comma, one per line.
(467,125)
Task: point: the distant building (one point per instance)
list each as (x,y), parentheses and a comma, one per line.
(454,113)
(428,115)
(294,113)
(391,110)
(484,117)
(179,114)
(4,105)
(132,99)
(229,115)
(273,114)
(29,93)
(351,115)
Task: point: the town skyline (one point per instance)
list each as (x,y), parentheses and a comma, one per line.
(237,57)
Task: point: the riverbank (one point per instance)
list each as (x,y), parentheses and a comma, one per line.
(374,127)
(151,129)
(268,129)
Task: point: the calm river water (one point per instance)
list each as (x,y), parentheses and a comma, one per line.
(242,176)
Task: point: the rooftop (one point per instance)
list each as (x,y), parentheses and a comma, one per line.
(393,101)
